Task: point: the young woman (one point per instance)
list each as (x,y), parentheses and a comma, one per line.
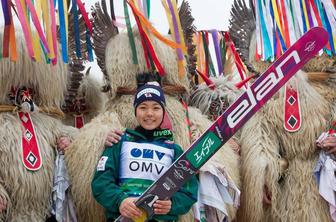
(126,169)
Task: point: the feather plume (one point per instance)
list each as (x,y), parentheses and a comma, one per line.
(103,31)
(242,27)
(189,29)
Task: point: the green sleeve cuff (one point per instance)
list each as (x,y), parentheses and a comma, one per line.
(122,197)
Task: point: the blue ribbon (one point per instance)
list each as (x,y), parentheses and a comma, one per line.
(63,31)
(328,26)
(303,18)
(267,44)
(89,45)
(76,28)
(323,19)
(274,30)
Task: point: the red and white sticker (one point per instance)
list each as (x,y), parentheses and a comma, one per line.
(102,163)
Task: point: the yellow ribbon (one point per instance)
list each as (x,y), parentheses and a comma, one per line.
(277,18)
(304,6)
(36,37)
(47,26)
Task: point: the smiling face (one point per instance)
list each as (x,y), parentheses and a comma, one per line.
(149,114)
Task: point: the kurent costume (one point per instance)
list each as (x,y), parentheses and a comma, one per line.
(278,148)
(115,58)
(86,104)
(127,168)
(31,96)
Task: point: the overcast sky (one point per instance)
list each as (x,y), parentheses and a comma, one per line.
(209,14)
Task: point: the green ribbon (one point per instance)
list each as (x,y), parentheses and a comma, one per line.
(209,63)
(222,47)
(130,34)
(148,8)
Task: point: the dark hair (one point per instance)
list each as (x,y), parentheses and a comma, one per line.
(145,77)
(149,92)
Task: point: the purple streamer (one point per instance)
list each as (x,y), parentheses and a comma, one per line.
(217,50)
(5,9)
(177,36)
(310,19)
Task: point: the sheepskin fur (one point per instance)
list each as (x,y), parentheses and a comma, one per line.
(95,100)
(47,80)
(28,193)
(225,93)
(264,142)
(121,70)
(82,158)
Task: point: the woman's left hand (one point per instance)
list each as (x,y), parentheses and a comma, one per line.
(329,144)
(63,143)
(162,206)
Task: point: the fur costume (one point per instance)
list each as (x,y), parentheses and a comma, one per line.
(88,103)
(120,76)
(28,193)
(213,102)
(274,159)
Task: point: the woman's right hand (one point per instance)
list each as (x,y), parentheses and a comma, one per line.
(128,209)
(3,205)
(113,136)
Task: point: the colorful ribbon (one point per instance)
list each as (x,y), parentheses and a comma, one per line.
(290,19)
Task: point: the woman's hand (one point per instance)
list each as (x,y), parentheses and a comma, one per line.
(113,137)
(162,206)
(128,209)
(63,143)
(329,144)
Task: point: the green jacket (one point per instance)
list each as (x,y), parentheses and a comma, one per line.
(106,184)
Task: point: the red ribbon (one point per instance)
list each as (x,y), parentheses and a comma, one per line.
(79,121)
(147,46)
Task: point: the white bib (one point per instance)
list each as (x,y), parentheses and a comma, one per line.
(144,161)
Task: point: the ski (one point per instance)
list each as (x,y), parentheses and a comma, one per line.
(232,119)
